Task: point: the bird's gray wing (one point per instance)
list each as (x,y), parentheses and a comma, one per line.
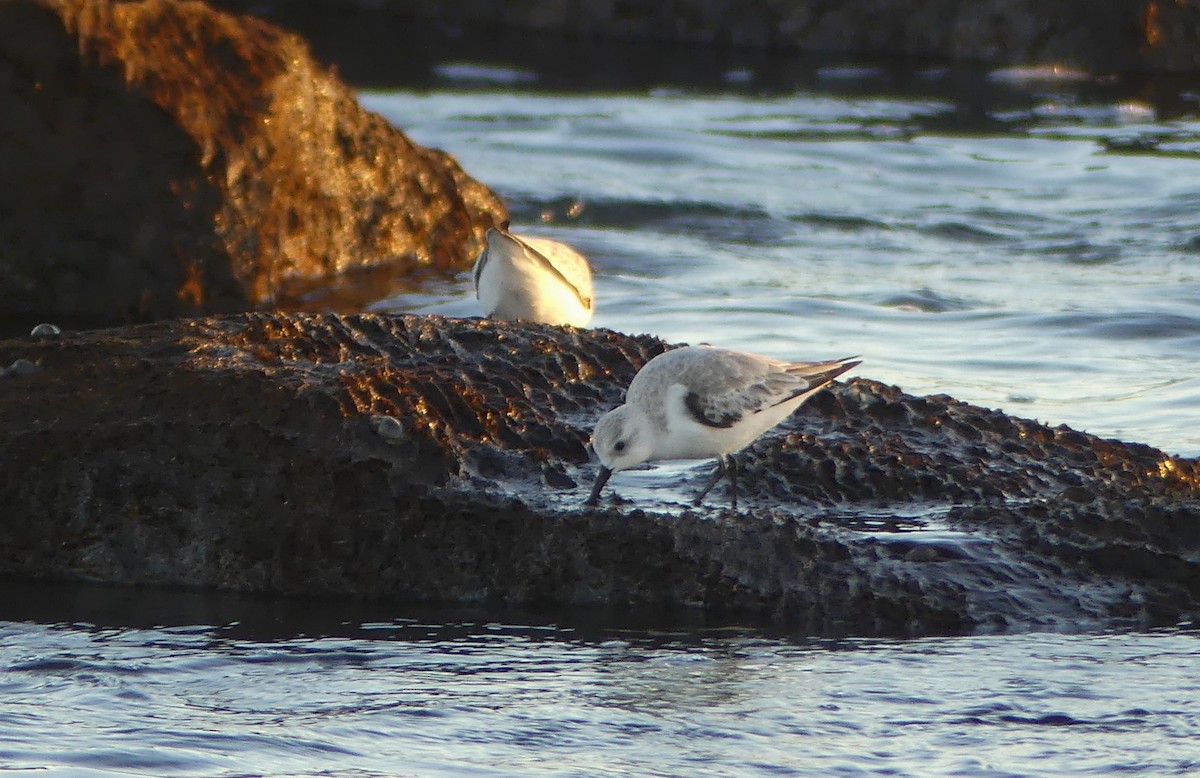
(733,388)
(728,408)
(563,262)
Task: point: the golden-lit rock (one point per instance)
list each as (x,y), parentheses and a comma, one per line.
(162,158)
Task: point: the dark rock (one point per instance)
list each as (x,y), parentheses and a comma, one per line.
(441,459)
(20,367)
(162,158)
(1122,36)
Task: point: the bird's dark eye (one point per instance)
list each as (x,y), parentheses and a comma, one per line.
(620,446)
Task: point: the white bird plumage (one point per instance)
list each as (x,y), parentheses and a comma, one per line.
(699,402)
(536,279)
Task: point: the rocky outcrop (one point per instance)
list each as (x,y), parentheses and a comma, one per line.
(439,459)
(162,158)
(1120,36)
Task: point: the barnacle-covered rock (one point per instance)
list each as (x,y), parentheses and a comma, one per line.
(446,460)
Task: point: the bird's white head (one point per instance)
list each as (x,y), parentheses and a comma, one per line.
(621,439)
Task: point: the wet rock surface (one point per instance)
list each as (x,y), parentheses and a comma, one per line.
(163,158)
(445,460)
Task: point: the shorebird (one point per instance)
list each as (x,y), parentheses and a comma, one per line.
(699,402)
(535,279)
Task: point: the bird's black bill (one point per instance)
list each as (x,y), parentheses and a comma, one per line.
(601,479)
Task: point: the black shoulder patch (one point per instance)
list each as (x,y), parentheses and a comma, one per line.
(707,416)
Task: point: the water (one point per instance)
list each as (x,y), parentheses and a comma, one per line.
(1020,239)
(1036,254)
(346,692)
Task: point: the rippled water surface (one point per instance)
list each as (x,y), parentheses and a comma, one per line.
(1039,252)
(322,695)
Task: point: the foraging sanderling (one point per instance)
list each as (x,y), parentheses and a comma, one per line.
(699,402)
(535,279)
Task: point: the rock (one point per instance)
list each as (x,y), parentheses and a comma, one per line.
(164,159)
(248,453)
(389,428)
(20,367)
(1135,36)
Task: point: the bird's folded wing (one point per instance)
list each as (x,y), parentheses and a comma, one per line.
(728,408)
(563,262)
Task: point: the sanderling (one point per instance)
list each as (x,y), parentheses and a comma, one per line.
(699,402)
(535,279)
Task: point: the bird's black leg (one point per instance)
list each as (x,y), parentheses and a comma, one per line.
(731,465)
(716,476)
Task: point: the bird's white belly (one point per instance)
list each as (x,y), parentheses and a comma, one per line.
(688,439)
